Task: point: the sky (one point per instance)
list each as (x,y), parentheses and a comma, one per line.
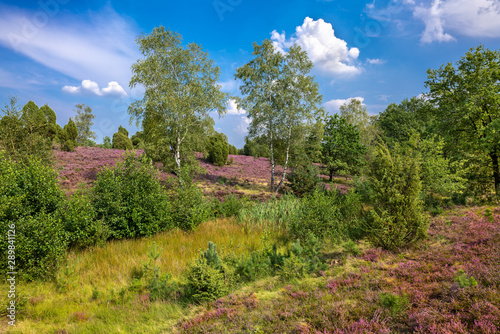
(68,52)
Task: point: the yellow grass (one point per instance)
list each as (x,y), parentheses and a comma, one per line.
(52,307)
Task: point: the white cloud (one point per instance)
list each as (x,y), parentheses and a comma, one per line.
(433,23)
(100,46)
(478,18)
(233,108)
(229,85)
(329,53)
(242,128)
(375,61)
(91,87)
(333,106)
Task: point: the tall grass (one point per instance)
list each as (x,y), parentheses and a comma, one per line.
(93,291)
(274,214)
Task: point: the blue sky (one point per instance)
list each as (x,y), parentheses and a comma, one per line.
(66,52)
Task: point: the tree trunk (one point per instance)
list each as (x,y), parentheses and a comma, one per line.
(496,172)
(286,160)
(272,165)
(331,175)
(177,157)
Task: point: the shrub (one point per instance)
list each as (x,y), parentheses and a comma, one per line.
(397,218)
(79,218)
(304,179)
(122,142)
(229,207)
(159,286)
(208,278)
(121,129)
(106,142)
(218,150)
(397,304)
(189,208)
(27,189)
(130,198)
(41,243)
(319,215)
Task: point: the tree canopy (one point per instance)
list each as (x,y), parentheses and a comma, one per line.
(83,122)
(282,101)
(468,97)
(181,90)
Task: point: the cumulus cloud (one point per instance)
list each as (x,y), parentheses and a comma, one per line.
(329,53)
(333,106)
(233,108)
(91,87)
(100,45)
(479,18)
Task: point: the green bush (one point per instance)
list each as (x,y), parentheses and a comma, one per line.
(319,215)
(229,207)
(122,142)
(40,245)
(397,218)
(396,304)
(208,278)
(79,218)
(130,199)
(218,149)
(304,179)
(27,189)
(189,207)
(121,129)
(160,287)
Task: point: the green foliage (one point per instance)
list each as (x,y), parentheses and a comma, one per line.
(68,136)
(282,101)
(79,219)
(294,267)
(355,113)
(399,122)
(130,198)
(181,88)
(464,281)
(218,149)
(41,244)
(160,287)
(26,132)
(319,215)
(350,247)
(304,179)
(397,218)
(341,146)
(121,129)
(274,213)
(121,141)
(397,304)
(468,116)
(189,207)
(254,148)
(29,197)
(138,140)
(83,122)
(106,142)
(229,207)
(233,150)
(208,278)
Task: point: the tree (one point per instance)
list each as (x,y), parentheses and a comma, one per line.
(397,218)
(218,149)
(180,91)
(83,122)
(24,132)
(281,100)
(342,148)
(70,134)
(468,116)
(398,122)
(121,141)
(356,113)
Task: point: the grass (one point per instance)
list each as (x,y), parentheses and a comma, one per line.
(93,292)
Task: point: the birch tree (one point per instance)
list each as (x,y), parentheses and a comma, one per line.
(281,99)
(181,90)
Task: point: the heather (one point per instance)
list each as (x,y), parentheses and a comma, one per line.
(448,284)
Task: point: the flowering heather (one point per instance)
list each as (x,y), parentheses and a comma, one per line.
(449,283)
